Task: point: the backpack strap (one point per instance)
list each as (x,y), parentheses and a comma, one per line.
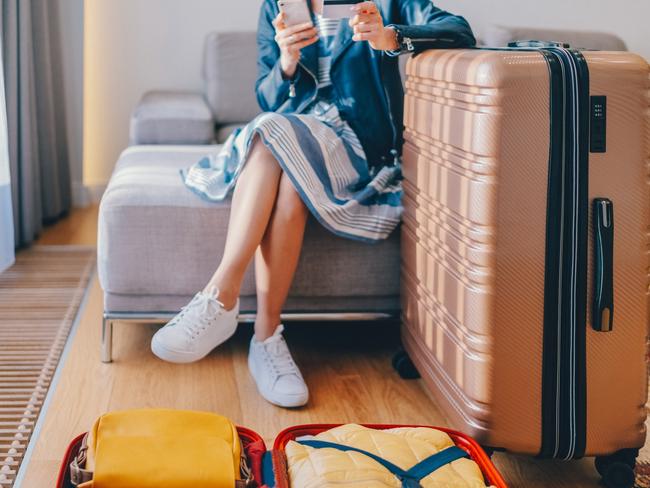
(410,478)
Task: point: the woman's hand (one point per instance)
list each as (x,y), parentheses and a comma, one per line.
(369,26)
(291,40)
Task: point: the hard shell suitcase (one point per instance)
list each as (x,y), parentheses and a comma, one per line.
(526,246)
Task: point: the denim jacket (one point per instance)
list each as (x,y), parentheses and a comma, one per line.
(367,85)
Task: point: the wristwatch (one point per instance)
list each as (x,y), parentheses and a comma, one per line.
(404,43)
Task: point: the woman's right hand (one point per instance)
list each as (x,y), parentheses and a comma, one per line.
(291,40)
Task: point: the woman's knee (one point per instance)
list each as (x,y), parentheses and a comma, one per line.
(260,160)
(289,200)
(258,149)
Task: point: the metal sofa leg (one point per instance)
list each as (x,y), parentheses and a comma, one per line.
(107,340)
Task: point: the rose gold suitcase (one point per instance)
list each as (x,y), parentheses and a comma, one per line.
(526,247)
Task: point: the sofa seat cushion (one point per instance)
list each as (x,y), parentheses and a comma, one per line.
(169,117)
(158,238)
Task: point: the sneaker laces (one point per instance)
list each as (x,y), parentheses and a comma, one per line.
(279,354)
(201,310)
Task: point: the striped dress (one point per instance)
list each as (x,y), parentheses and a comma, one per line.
(321,155)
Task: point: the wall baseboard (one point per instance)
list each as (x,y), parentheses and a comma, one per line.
(80,196)
(96,192)
(84,195)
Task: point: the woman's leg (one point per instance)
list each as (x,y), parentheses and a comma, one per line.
(270,362)
(277,257)
(252,204)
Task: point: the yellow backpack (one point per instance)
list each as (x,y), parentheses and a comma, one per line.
(160,449)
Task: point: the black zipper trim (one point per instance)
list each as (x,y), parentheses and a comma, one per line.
(564,405)
(554,217)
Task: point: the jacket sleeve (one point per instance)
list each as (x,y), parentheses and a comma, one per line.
(428,27)
(272,88)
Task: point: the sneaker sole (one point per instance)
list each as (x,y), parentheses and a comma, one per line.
(287,401)
(177,357)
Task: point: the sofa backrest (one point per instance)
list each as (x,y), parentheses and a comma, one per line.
(498,36)
(229,74)
(230,64)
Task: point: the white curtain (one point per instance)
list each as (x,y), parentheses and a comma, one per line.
(6,213)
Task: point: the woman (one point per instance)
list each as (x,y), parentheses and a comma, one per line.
(328,144)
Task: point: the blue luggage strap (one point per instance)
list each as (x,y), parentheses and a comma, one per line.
(409,478)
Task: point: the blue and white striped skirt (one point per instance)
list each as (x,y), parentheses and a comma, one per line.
(323,158)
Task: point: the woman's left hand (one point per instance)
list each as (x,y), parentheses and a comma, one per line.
(369,26)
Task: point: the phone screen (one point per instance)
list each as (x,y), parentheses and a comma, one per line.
(295,12)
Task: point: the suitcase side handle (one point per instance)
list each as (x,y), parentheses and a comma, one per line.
(603,306)
(538,44)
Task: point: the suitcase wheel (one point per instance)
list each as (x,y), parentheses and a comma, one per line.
(617,470)
(404,366)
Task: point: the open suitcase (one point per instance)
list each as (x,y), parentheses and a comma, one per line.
(526,247)
(264,468)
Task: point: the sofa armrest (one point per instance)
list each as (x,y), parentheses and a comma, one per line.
(169,117)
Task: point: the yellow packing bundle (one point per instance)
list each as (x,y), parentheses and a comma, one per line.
(159,449)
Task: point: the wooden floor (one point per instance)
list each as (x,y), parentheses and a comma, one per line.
(346,366)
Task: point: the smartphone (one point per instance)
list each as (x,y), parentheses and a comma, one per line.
(295,12)
(338,9)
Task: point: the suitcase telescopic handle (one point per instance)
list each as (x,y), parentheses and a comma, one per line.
(603,307)
(538,44)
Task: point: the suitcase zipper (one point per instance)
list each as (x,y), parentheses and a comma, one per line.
(564,354)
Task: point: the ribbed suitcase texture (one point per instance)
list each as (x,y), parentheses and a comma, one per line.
(476,167)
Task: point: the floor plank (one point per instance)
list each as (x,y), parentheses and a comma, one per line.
(347,367)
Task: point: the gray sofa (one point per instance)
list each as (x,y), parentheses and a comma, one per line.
(159,243)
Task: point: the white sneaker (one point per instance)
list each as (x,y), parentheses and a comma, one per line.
(198,328)
(278,378)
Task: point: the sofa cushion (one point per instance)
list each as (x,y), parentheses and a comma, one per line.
(497,36)
(158,238)
(230,73)
(171,117)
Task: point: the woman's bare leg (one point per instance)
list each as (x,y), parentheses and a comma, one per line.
(276,258)
(252,204)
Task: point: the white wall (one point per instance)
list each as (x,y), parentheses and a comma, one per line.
(629,19)
(136,45)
